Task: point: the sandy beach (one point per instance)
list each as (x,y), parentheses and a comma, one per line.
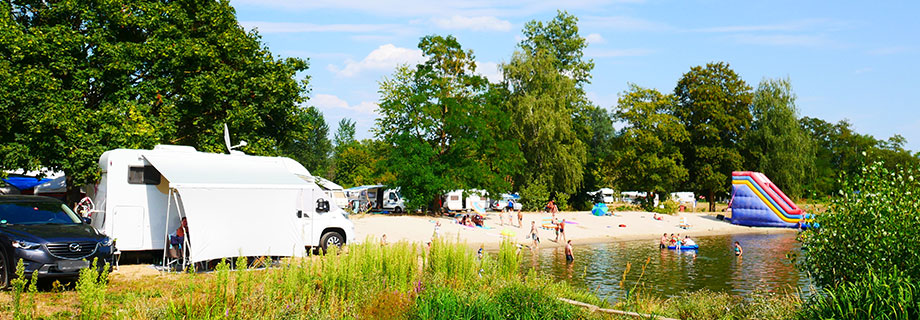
(582,228)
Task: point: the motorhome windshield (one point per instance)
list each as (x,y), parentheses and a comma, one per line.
(37,213)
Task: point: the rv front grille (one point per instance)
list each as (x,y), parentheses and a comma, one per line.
(72,250)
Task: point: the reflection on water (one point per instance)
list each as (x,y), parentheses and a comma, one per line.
(599,267)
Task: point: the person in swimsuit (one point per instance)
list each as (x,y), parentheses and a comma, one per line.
(569,256)
(663,244)
(738,250)
(533,233)
(562,229)
(520,219)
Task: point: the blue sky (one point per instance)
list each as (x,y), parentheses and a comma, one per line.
(846,60)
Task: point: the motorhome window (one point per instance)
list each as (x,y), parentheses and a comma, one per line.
(392,196)
(143,175)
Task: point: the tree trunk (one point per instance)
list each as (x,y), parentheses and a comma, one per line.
(711,198)
(72,196)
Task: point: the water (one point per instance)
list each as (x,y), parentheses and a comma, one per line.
(764,267)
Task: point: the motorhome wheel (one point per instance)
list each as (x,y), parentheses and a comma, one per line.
(397,210)
(332,239)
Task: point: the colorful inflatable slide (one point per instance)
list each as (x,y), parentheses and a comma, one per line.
(757,202)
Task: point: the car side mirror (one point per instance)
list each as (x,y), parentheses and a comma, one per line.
(87,220)
(322,205)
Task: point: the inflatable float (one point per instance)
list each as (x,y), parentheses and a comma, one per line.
(693,247)
(757,202)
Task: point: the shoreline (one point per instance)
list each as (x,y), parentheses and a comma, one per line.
(582,228)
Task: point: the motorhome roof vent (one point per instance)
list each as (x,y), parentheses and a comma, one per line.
(171,147)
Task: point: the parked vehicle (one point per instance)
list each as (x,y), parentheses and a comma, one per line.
(457,201)
(604,195)
(333,191)
(49,238)
(236,204)
(376,198)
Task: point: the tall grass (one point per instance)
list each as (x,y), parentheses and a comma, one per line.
(889,295)
(91,287)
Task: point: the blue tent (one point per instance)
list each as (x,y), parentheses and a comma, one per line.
(24,183)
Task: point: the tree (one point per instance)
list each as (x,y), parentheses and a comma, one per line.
(776,144)
(647,155)
(311,146)
(594,127)
(545,80)
(362,163)
(82,77)
(345,134)
(438,119)
(713,103)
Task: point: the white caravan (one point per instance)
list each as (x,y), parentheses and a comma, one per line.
(235,204)
(474,200)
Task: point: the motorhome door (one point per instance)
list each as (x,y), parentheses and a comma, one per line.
(306,212)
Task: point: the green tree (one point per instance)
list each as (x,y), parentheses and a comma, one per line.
(81,77)
(362,163)
(647,155)
(594,127)
(713,103)
(439,121)
(545,80)
(776,144)
(310,146)
(345,134)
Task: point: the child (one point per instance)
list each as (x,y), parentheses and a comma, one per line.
(738,250)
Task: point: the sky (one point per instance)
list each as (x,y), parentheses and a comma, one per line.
(851,60)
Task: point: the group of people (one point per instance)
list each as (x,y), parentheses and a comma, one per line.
(510,210)
(675,241)
(471,220)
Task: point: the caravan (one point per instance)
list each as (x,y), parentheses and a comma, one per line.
(473,200)
(235,204)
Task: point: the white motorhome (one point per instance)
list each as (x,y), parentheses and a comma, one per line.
(334,191)
(474,200)
(606,195)
(235,204)
(376,198)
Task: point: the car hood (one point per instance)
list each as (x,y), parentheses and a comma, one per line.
(53,232)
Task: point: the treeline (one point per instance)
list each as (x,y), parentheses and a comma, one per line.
(81,77)
(444,127)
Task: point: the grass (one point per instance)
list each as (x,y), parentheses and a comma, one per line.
(367,281)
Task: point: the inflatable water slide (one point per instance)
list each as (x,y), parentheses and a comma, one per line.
(757,202)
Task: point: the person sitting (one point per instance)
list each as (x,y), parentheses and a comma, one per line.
(673,240)
(689,242)
(177,239)
(477,220)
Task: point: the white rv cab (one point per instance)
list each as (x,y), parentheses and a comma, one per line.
(141,194)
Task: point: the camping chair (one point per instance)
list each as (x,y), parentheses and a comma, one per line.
(683,223)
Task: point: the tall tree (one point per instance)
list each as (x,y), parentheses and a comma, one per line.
(713,103)
(311,146)
(437,115)
(594,127)
(345,134)
(647,155)
(81,77)
(545,80)
(776,143)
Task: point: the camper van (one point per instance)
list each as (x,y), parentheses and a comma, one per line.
(234,203)
(605,195)
(474,200)
(375,198)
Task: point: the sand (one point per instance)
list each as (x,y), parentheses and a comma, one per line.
(584,228)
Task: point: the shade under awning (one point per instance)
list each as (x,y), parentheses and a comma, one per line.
(226,171)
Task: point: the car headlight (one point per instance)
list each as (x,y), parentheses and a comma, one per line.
(28,245)
(107,242)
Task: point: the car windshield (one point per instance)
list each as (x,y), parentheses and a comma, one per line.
(37,213)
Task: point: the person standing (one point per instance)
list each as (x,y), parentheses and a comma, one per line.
(533,234)
(663,244)
(569,255)
(738,250)
(520,219)
(562,230)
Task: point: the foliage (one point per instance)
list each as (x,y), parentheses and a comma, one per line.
(594,126)
(345,134)
(310,146)
(438,117)
(867,228)
(91,287)
(890,295)
(776,144)
(361,163)
(545,80)
(713,104)
(647,155)
(81,77)
(667,207)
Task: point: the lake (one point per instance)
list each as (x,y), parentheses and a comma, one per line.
(600,267)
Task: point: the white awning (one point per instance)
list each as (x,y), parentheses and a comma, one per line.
(226,171)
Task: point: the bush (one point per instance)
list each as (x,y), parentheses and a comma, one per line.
(870,226)
(891,295)
(668,207)
(534,196)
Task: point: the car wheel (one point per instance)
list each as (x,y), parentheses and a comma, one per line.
(4,271)
(397,210)
(331,239)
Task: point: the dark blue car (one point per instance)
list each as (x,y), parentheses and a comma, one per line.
(49,238)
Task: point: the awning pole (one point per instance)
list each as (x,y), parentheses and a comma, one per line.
(166,226)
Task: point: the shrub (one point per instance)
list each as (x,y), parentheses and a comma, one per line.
(891,295)
(534,196)
(91,287)
(668,207)
(868,227)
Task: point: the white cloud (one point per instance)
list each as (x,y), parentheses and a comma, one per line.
(265,27)
(481,23)
(328,102)
(384,58)
(595,38)
(490,70)
(613,53)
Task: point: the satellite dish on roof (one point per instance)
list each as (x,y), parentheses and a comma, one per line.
(227,142)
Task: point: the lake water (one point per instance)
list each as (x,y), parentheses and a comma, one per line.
(600,267)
